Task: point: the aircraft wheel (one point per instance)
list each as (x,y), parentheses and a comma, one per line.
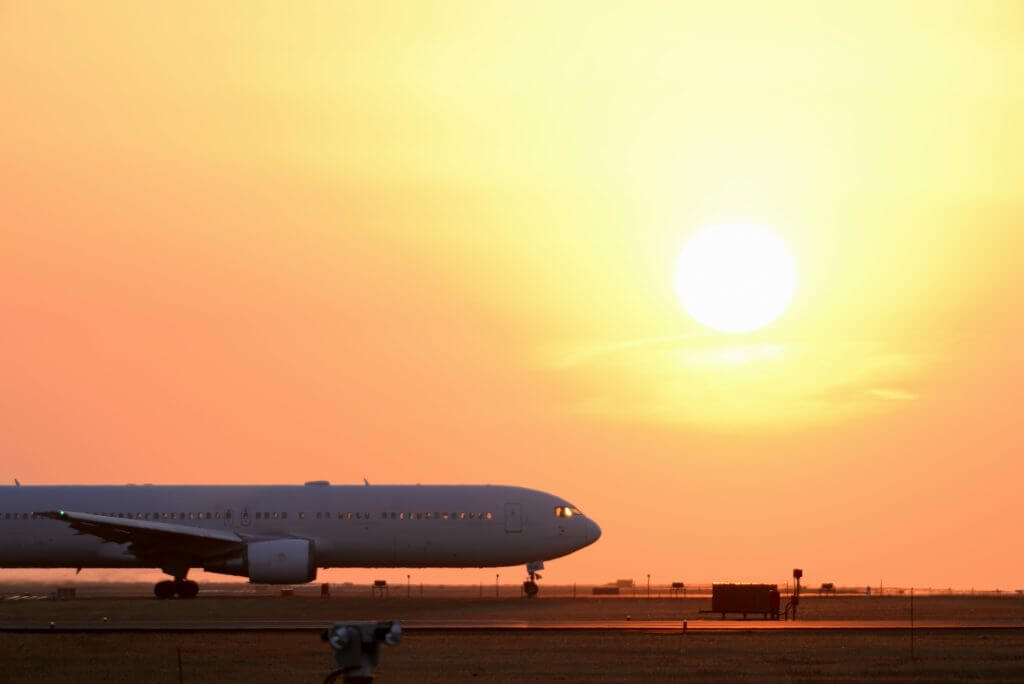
(164,590)
(186,589)
(530,588)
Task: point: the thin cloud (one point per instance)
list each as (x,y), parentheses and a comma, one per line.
(695,379)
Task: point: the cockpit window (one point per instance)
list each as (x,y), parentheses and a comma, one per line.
(566,511)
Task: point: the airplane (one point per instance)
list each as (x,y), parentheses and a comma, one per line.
(281,534)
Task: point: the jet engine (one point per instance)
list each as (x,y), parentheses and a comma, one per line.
(275,561)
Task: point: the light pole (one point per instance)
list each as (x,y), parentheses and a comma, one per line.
(408,586)
(497,576)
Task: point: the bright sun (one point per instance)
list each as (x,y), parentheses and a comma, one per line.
(735,278)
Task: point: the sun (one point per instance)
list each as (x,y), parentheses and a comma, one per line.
(735,278)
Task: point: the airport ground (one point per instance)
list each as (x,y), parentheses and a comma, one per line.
(526,656)
(532,651)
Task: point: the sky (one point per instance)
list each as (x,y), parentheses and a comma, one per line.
(436,242)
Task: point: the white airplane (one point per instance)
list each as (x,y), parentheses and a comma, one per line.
(282,534)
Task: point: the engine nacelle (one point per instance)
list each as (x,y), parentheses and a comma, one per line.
(275,561)
(281,561)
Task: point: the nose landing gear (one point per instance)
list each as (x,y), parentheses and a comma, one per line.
(530,587)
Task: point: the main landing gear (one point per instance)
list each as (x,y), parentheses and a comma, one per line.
(179,587)
(530,587)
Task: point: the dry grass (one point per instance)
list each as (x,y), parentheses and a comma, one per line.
(982,609)
(951,655)
(522,657)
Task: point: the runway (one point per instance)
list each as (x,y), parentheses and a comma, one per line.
(654,626)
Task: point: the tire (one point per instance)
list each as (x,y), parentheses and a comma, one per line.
(187,589)
(164,590)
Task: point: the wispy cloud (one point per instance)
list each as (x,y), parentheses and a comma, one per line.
(696,379)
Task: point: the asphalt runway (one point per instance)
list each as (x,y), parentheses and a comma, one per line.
(660,626)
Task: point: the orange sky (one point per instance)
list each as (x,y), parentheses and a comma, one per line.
(435,243)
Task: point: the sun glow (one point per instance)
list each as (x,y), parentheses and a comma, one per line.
(735,278)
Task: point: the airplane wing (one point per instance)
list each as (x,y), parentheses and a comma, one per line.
(151,539)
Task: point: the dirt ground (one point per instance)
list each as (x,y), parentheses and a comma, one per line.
(954,655)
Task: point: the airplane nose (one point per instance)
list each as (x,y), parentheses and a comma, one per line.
(593,531)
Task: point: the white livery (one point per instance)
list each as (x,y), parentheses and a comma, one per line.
(282,534)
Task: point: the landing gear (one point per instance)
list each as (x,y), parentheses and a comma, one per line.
(182,588)
(530,587)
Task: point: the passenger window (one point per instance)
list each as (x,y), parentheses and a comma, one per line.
(462,516)
(318,515)
(284,515)
(217,515)
(489,515)
(302,515)
(276,515)
(257,515)
(199,515)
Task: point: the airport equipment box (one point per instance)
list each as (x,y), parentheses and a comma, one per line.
(745,598)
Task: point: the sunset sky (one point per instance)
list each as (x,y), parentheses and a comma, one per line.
(437,242)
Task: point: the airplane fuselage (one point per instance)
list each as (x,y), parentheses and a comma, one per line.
(348,526)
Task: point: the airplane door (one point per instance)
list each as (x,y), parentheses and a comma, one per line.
(513,517)
(245,517)
(228,517)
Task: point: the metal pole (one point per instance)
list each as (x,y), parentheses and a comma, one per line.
(408,586)
(496,577)
(648,585)
(911,623)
